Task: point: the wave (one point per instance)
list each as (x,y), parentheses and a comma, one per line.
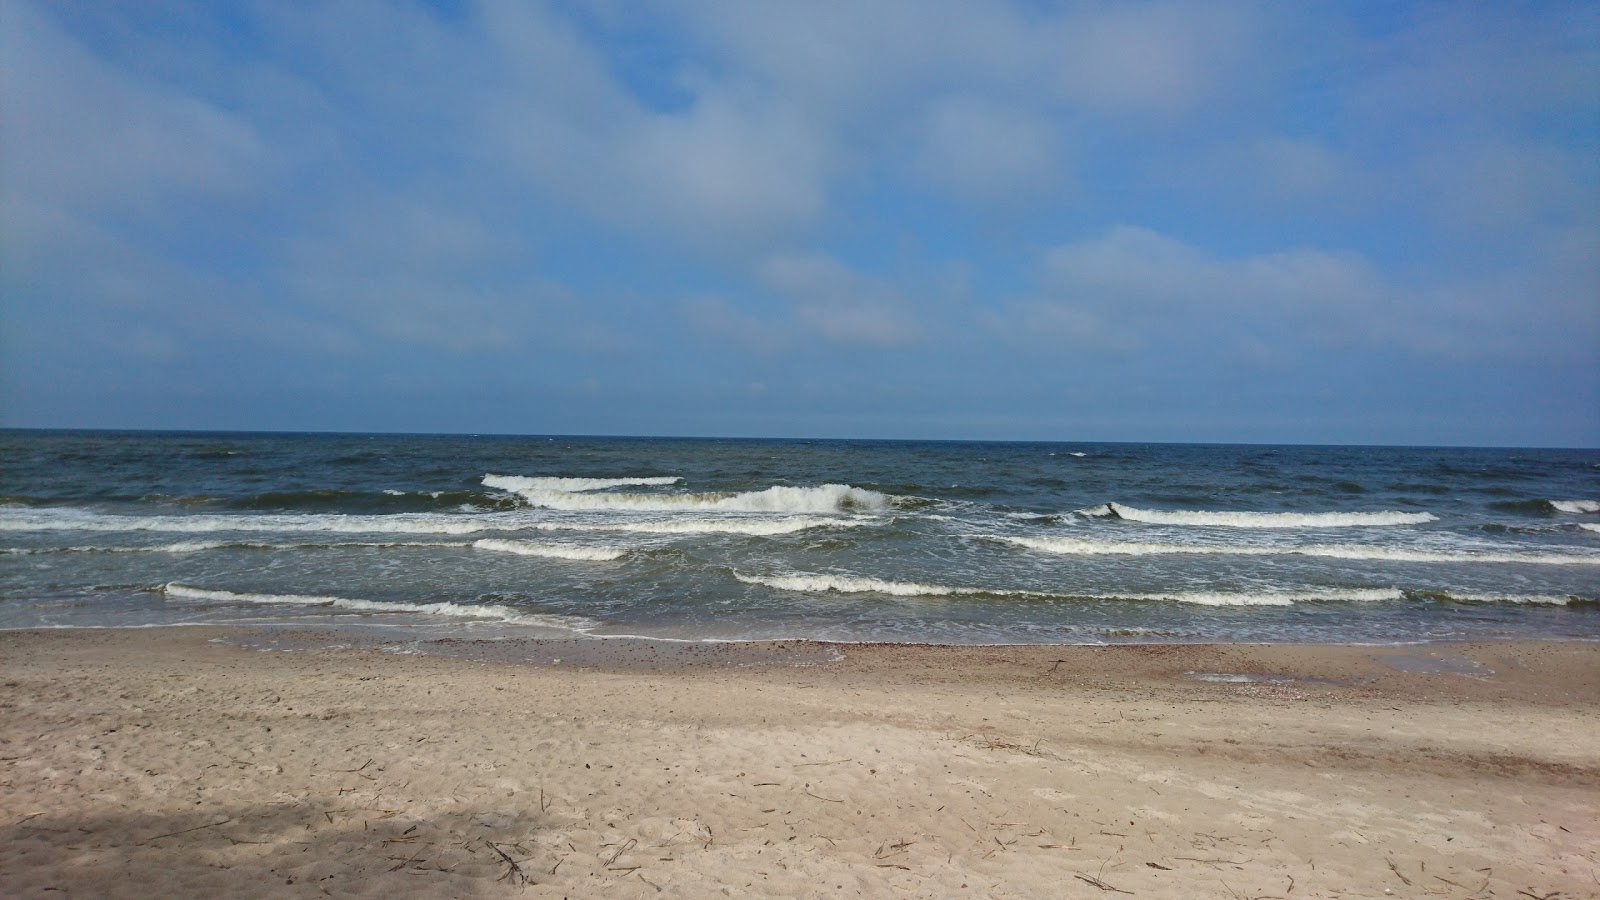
(856,584)
(551,551)
(1519,599)
(1256,519)
(69,519)
(1548,507)
(827,498)
(1083,547)
(1589,526)
(518,483)
(385,501)
(752,527)
(443,608)
(197,546)
(180,547)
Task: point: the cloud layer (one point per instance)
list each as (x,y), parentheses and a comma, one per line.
(1164,220)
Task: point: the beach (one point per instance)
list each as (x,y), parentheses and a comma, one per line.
(222,762)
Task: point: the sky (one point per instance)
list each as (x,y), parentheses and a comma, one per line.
(1309,222)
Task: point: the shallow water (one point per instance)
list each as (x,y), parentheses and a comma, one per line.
(840,540)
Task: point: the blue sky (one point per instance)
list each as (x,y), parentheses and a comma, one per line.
(1207,221)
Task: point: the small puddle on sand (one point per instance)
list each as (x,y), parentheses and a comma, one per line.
(1432,662)
(609,653)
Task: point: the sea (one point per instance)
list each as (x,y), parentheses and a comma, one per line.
(688,539)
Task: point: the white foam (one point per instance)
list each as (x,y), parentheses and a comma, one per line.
(445,608)
(518,483)
(1589,526)
(855,584)
(753,527)
(1256,519)
(1084,547)
(68,519)
(551,551)
(1526,599)
(179,547)
(827,498)
(1576,506)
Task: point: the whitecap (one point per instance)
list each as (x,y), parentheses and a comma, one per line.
(443,608)
(827,498)
(752,527)
(1257,519)
(1085,547)
(1576,506)
(551,551)
(519,483)
(819,583)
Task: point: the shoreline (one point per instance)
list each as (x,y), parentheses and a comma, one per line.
(159,760)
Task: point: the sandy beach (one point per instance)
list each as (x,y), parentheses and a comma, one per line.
(173,762)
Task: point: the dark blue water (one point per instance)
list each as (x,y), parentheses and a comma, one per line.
(845,540)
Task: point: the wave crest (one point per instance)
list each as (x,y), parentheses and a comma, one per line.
(1257,519)
(551,551)
(856,584)
(443,608)
(827,498)
(519,483)
(1576,506)
(1085,547)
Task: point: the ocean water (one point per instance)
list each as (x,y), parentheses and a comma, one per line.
(700,539)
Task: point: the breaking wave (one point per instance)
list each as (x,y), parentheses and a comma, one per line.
(443,608)
(752,527)
(551,551)
(68,519)
(1083,547)
(827,498)
(1256,519)
(855,584)
(517,483)
(1519,599)
(197,546)
(1576,506)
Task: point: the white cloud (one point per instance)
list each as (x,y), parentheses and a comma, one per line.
(840,304)
(78,133)
(979,148)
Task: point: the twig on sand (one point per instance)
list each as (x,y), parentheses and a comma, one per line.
(186,831)
(1396,870)
(514,872)
(807,792)
(831,762)
(621,849)
(1099,884)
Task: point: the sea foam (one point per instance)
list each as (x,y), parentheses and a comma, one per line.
(1085,547)
(1257,519)
(551,551)
(856,584)
(519,483)
(827,498)
(752,527)
(1576,506)
(444,608)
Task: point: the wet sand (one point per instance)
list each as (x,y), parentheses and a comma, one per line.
(203,762)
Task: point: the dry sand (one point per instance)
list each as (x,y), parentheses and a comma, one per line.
(165,763)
